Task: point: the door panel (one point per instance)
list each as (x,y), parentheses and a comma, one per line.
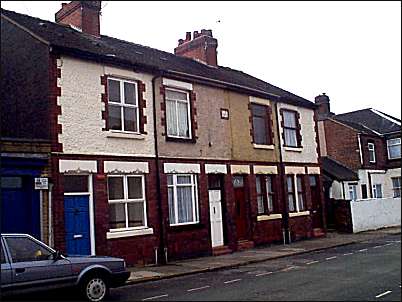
(215,209)
(241,217)
(316,202)
(76,214)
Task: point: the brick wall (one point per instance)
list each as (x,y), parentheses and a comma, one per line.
(380,152)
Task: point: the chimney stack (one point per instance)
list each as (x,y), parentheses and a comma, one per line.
(323,103)
(201,47)
(84,15)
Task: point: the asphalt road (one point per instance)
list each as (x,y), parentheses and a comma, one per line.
(368,271)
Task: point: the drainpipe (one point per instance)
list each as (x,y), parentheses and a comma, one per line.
(50,226)
(286,233)
(162,246)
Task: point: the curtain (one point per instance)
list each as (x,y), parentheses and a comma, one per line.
(171,119)
(182,116)
(172,216)
(185,204)
(260,199)
(290,137)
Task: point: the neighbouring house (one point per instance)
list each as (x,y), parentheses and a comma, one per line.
(158,156)
(362,164)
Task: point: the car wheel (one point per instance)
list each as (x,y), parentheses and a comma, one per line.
(95,288)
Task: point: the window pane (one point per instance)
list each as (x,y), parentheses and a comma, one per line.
(3,257)
(379,191)
(114,117)
(129,93)
(176,95)
(313,181)
(300,202)
(170,180)
(114,91)
(259,110)
(394,151)
(258,184)
(299,184)
(238,181)
(290,137)
(25,249)
(289,119)
(182,115)
(270,204)
(117,215)
(183,179)
(184,204)
(268,184)
(291,203)
(136,214)
(260,130)
(130,119)
(115,188)
(75,183)
(171,118)
(290,184)
(260,203)
(134,187)
(172,216)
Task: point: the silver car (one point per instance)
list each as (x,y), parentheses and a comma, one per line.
(28,265)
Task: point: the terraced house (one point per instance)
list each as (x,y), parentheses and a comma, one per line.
(158,156)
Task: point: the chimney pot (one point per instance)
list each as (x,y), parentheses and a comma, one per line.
(188,36)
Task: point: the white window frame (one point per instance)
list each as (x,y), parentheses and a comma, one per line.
(177,117)
(390,145)
(294,130)
(303,192)
(296,193)
(375,191)
(353,192)
(371,149)
(123,105)
(194,197)
(395,189)
(126,201)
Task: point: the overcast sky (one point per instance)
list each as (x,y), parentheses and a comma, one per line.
(349,50)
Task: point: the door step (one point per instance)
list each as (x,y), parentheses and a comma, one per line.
(318,232)
(221,250)
(244,245)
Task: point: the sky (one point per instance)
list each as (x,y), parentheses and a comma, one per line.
(349,50)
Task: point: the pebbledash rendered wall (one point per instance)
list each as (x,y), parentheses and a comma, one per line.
(372,214)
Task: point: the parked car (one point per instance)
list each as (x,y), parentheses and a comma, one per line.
(28,265)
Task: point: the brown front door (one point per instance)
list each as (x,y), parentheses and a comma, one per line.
(240,204)
(316,202)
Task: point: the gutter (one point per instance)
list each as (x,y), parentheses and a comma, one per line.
(360,148)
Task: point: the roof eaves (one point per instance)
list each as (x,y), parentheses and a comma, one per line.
(385,116)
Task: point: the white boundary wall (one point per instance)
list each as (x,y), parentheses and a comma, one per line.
(372,214)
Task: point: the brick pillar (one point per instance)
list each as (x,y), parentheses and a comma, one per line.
(101,210)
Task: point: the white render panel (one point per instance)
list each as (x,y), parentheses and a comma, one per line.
(215,169)
(240,169)
(307,154)
(313,170)
(321,135)
(77,166)
(81,107)
(295,170)
(124,167)
(177,84)
(372,214)
(181,168)
(255,100)
(265,170)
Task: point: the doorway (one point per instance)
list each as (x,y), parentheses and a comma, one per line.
(240,207)
(215,190)
(316,202)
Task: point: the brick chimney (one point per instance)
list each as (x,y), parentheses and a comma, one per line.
(201,47)
(81,14)
(323,103)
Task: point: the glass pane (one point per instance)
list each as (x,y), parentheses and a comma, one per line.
(270,204)
(172,216)
(260,130)
(258,184)
(129,94)
(291,203)
(11,182)
(313,181)
(300,202)
(75,183)
(183,179)
(182,115)
(171,118)
(117,215)
(135,187)
(289,119)
(259,110)
(184,204)
(394,151)
(114,91)
(176,95)
(130,119)
(114,117)
(260,203)
(290,137)
(115,188)
(268,184)
(289,181)
(379,191)
(136,214)
(3,257)
(238,181)
(25,249)
(299,184)
(170,180)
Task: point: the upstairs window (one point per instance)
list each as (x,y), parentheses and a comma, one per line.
(394,148)
(371,149)
(265,194)
(178,119)
(396,186)
(123,105)
(290,128)
(262,132)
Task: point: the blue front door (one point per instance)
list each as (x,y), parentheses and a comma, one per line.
(76,219)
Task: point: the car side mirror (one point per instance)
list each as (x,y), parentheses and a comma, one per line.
(57,255)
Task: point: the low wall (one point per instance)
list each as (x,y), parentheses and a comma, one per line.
(372,214)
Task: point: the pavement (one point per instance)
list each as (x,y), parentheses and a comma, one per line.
(254,255)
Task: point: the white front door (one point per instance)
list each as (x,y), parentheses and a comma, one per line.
(215,210)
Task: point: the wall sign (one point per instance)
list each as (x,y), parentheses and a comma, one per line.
(41,183)
(224,114)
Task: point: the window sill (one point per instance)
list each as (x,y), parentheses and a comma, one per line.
(121,134)
(269,217)
(295,214)
(293,149)
(186,227)
(129,233)
(180,140)
(267,147)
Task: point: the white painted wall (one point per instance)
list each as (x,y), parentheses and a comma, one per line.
(81,108)
(372,214)
(307,154)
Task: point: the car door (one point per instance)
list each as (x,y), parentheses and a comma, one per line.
(6,276)
(33,266)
